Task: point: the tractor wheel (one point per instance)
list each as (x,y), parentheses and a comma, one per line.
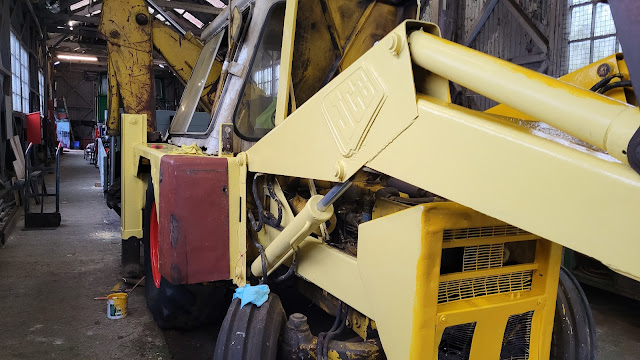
(251,332)
(574,332)
(175,306)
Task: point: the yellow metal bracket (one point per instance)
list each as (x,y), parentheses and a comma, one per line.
(133,187)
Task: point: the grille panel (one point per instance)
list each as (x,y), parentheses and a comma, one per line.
(456,342)
(480,232)
(454,290)
(517,337)
(483,257)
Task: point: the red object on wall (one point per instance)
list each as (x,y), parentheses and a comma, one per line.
(34,128)
(193,227)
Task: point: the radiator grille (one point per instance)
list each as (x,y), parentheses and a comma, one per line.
(479,232)
(456,342)
(482,257)
(453,290)
(517,337)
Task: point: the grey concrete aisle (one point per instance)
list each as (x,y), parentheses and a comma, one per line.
(48,279)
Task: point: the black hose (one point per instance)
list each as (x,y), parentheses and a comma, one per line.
(605,81)
(254,189)
(619,84)
(289,272)
(263,256)
(320,341)
(331,334)
(265,217)
(272,194)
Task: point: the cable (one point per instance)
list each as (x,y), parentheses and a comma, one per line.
(273,196)
(263,256)
(341,318)
(289,272)
(608,87)
(320,342)
(605,81)
(265,217)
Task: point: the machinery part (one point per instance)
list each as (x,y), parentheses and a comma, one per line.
(251,332)
(609,125)
(300,227)
(176,306)
(606,80)
(130,61)
(619,84)
(130,257)
(574,332)
(194,219)
(298,343)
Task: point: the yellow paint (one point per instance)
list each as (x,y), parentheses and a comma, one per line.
(593,118)
(584,78)
(130,59)
(237,219)
(134,134)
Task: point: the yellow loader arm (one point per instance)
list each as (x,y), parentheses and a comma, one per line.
(405,127)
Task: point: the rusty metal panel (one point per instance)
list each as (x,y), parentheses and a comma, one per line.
(194,219)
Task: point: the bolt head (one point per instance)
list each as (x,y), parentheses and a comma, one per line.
(114,34)
(297,320)
(394,44)
(604,70)
(142,19)
(339,170)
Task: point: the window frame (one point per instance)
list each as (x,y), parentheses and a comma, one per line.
(249,66)
(41,92)
(591,38)
(20,72)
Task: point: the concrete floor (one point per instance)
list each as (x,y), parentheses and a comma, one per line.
(48,279)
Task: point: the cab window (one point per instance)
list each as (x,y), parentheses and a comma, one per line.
(255,114)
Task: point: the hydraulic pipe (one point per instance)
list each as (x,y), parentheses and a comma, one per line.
(596,119)
(300,227)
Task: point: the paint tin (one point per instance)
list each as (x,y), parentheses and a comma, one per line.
(117,305)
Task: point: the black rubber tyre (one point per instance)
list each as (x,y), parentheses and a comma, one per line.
(179,306)
(251,332)
(574,332)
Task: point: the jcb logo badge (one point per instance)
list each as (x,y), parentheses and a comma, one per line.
(351,107)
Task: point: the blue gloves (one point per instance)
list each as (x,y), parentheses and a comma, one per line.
(252,294)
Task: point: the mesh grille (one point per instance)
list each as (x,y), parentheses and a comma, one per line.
(517,335)
(453,290)
(456,342)
(483,257)
(479,232)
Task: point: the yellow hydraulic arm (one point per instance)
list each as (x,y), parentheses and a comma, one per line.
(131,38)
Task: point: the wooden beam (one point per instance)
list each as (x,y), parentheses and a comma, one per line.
(528,59)
(190,7)
(536,35)
(486,11)
(35,18)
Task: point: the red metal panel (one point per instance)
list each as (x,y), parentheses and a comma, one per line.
(34,128)
(194,219)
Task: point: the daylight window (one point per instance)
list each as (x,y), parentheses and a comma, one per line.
(19,75)
(592,33)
